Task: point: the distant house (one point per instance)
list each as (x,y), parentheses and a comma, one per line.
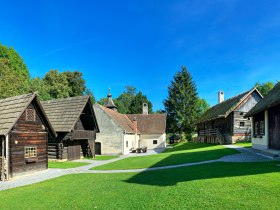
(266,121)
(24,133)
(224,123)
(119,132)
(75,123)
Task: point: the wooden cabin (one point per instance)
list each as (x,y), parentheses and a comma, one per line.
(265,118)
(224,123)
(24,133)
(75,123)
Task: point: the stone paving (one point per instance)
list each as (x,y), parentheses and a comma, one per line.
(245,155)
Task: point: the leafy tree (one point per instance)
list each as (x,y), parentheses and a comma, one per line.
(10,81)
(15,63)
(123,102)
(137,104)
(181,104)
(76,83)
(37,84)
(88,92)
(265,87)
(57,84)
(202,106)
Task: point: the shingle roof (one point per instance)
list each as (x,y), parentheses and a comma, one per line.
(225,108)
(13,107)
(270,100)
(64,113)
(150,123)
(120,119)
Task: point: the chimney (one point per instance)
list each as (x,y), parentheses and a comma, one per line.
(134,124)
(145,108)
(221,96)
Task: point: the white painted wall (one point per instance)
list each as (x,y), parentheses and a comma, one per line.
(261,143)
(132,140)
(147,141)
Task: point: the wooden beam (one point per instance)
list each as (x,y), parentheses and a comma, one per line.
(3,162)
(7,157)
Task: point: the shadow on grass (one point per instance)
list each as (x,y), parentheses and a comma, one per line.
(187,146)
(170,177)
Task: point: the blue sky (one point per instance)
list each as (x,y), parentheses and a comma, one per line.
(226,44)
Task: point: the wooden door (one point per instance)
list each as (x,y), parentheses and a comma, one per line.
(97,148)
(74,150)
(274,128)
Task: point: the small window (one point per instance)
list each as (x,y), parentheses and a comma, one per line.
(242,124)
(154,141)
(241,113)
(30,115)
(126,143)
(30,152)
(256,128)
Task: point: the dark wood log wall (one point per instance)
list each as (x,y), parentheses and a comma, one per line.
(238,117)
(274,127)
(28,133)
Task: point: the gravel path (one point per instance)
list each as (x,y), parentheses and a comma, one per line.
(246,155)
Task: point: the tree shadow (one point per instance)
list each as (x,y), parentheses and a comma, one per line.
(188,146)
(170,177)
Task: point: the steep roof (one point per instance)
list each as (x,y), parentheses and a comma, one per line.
(120,119)
(13,107)
(150,123)
(270,100)
(226,107)
(64,113)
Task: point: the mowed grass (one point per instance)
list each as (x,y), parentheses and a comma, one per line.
(179,154)
(105,157)
(209,186)
(66,164)
(244,144)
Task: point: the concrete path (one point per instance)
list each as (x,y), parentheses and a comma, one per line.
(246,155)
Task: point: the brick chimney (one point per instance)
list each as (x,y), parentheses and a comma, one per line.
(145,108)
(221,96)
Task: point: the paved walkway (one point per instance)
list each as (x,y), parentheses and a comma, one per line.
(245,155)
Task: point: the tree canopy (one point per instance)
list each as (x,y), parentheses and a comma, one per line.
(265,87)
(181,104)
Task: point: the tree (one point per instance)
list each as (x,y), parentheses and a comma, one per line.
(202,106)
(11,82)
(265,87)
(136,106)
(57,84)
(89,93)
(181,104)
(37,84)
(14,62)
(123,102)
(76,83)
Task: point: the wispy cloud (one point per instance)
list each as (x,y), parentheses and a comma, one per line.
(69,46)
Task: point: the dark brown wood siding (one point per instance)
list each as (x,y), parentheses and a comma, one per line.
(28,134)
(241,125)
(274,127)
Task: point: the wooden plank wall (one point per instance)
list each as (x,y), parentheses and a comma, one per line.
(239,130)
(28,133)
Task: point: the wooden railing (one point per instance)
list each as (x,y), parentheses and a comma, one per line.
(211,136)
(82,134)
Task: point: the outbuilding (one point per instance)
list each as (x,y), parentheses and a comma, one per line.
(24,133)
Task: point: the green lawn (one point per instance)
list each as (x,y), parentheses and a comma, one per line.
(103,157)
(179,154)
(209,186)
(66,164)
(244,144)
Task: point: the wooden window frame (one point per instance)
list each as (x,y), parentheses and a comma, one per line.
(155,142)
(126,144)
(242,124)
(27,118)
(28,153)
(262,127)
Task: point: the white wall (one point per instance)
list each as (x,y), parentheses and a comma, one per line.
(147,141)
(132,140)
(261,143)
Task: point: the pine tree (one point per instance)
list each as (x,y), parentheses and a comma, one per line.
(181,104)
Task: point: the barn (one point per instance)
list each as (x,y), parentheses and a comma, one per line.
(265,118)
(24,133)
(76,126)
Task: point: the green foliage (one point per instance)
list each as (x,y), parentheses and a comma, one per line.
(57,84)
(76,83)
(103,101)
(88,92)
(181,104)
(265,87)
(123,102)
(136,106)
(39,85)
(202,106)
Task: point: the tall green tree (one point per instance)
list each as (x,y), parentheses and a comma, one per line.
(57,84)
(202,106)
(76,83)
(38,85)
(123,101)
(265,87)
(136,106)
(89,93)
(181,104)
